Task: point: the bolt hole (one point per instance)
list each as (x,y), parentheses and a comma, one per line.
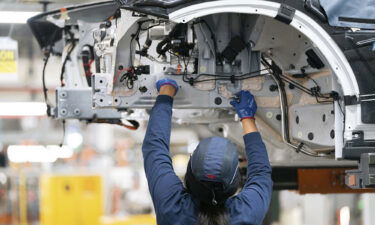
(116,100)
(101,100)
(299,36)
(324,117)
(218,101)
(220,129)
(273,38)
(101,81)
(297,120)
(310,136)
(332,134)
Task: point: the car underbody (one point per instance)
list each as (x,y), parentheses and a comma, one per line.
(313,83)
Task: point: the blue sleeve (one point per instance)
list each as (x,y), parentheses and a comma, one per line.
(165,187)
(253,201)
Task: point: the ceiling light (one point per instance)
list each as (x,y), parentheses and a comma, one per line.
(345,215)
(19,109)
(74,140)
(38,153)
(16,16)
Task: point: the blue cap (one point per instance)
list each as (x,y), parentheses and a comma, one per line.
(212,174)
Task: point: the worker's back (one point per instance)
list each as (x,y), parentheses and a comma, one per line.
(174,205)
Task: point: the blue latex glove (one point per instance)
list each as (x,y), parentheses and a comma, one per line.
(166,81)
(245,106)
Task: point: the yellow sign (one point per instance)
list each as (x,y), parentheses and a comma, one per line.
(8,61)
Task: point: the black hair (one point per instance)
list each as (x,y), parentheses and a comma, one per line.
(211,198)
(213,214)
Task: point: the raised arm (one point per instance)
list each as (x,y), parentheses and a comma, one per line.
(258,165)
(162,180)
(256,193)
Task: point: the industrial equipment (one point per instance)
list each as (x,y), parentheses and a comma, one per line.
(312,78)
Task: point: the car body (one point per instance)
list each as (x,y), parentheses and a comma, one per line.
(313,80)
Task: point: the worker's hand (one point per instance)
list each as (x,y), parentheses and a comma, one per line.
(167,87)
(245,105)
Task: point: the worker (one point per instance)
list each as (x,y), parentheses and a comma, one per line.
(212,177)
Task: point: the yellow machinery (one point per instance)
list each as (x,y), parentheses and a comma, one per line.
(71,200)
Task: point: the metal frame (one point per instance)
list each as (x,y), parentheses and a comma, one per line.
(335,57)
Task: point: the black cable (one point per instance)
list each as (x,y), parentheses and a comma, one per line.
(46,59)
(45,90)
(288,80)
(148,28)
(313,81)
(136,37)
(236,78)
(67,57)
(242,75)
(139,48)
(222,77)
(277,77)
(131,46)
(48,52)
(63,137)
(315,91)
(296,84)
(129,78)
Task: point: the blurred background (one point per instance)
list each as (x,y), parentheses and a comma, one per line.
(91,174)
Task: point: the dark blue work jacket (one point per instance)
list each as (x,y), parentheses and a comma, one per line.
(173,204)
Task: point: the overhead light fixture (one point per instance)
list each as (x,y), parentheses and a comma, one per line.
(345,215)
(38,153)
(74,139)
(18,17)
(21,109)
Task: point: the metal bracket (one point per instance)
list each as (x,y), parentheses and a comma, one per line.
(315,8)
(285,14)
(364,177)
(353,100)
(350,100)
(75,103)
(357,146)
